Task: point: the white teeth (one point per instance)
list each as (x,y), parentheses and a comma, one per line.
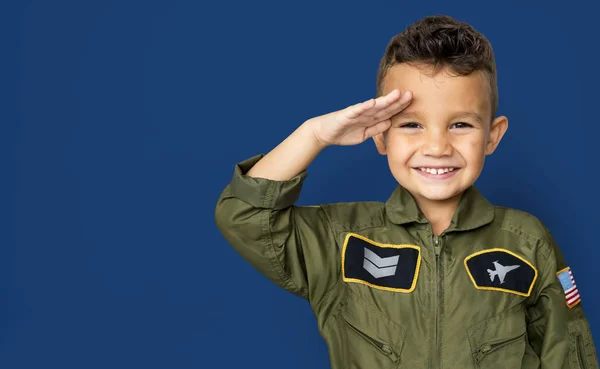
(436,171)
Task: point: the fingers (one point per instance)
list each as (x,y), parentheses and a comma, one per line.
(372,106)
(384,101)
(382,108)
(358,109)
(393,108)
(377,128)
(375,114)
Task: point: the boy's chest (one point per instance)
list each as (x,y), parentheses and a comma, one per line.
(410,272)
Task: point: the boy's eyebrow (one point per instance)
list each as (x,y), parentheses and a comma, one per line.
(462,114)
(469,114)
(407,114)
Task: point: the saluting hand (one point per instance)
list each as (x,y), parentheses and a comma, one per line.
(349,126)
(356,123)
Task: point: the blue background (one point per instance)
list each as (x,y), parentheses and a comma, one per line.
(123,121)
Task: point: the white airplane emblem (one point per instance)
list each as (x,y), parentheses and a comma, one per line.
(501,271)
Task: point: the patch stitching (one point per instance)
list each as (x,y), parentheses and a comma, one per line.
(383,245)
(497,288)
(578,299)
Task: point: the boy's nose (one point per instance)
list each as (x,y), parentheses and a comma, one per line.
(437,144)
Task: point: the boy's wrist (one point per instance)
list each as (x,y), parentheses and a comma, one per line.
(310,128)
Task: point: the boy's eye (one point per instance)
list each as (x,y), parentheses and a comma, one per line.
(462,125)
(410,125)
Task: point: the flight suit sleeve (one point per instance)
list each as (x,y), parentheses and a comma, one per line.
(560,335)
(293,246)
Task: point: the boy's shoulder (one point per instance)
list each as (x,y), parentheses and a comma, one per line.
(522,223)
(353,215)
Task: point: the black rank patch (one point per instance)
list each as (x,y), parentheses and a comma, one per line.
(387,267)
(501,270)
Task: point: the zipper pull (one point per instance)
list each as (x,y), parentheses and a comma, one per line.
(482,352)
(388,351)
(436,246)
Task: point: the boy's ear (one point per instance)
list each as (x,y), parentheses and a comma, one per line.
(380,143)
(497,131)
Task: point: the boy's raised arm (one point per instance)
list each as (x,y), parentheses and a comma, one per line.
(350,126)
(293,246)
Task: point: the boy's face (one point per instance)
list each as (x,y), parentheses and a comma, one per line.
(446,126)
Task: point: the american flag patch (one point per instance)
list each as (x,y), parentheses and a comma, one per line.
(567,281)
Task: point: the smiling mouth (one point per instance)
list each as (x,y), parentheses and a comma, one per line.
(437,173)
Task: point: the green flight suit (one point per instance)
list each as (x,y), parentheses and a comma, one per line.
(387,293)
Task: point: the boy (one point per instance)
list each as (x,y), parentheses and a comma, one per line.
(436,277)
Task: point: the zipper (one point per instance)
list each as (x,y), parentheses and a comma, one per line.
(437,248)
(487,348)
(383,347)
(580,353)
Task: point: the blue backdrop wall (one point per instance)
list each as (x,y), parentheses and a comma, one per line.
(124,120)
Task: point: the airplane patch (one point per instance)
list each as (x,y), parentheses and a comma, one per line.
(388,267)
(501,270)
(567,282)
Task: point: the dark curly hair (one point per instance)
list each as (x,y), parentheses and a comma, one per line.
(441,41)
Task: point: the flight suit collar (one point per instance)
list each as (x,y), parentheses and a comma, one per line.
(473,211)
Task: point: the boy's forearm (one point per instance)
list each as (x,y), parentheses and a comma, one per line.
(290,157)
